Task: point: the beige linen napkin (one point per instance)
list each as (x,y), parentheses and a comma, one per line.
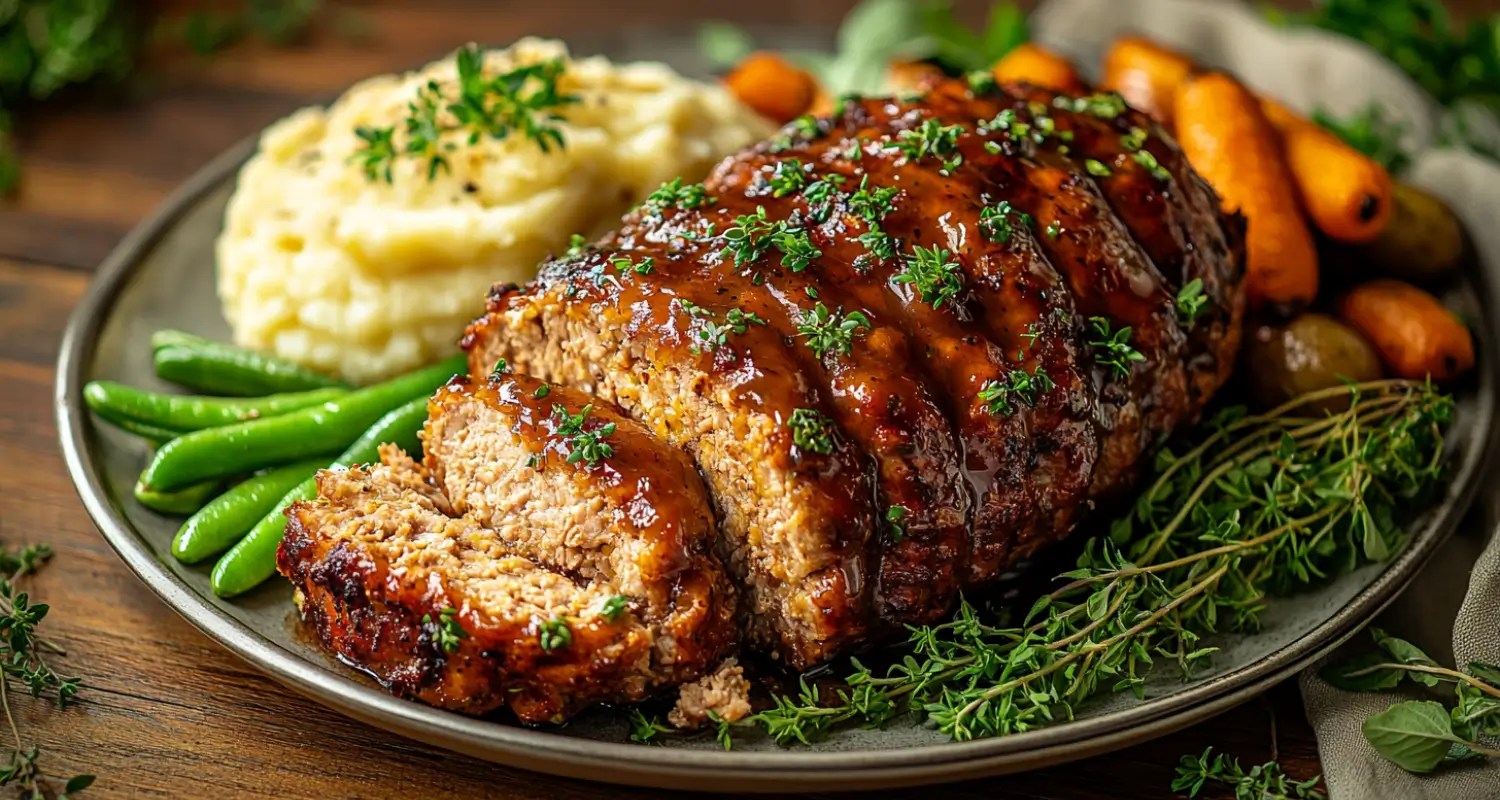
(1452,610)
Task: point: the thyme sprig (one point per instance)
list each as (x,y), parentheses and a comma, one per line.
(1112,347)
(525,100)
(935,274)
(831,331)
(1254,506)
(25,659)
(587,446)
(1263,781)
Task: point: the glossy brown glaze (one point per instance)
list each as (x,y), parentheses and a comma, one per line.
(977,483)
(500,526)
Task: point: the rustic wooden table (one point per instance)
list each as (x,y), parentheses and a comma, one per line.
(168,712)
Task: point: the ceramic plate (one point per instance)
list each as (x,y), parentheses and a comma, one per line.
(162,277)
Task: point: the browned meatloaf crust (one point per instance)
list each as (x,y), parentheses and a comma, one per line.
(1061,216)
(571,582)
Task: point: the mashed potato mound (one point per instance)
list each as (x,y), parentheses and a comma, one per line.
(319,264)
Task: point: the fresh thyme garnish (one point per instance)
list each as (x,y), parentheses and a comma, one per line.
(555,634)
(740,321)
(712,335)
(724,730)
(541,391)
(831,331)
(1134,140)
(788,177)
(673,194)
(753,235)
(24,659)
(614,607)
(1020,385)
(1420,736)
(644,729)
(932,138)
(1191,302)
(448,633)
(693,309)
(501,367)
(1054,229)
(1104,106)
(878,243)
(805,126)
(624,264)
(872,205)
(981,81)
(1097,168)
(1112,349)
(998,222)
(525,99)
(820,196)
(895,516)
(577,244)
(1264,782)
(1147,160)
(586,446)
(856,150)
(935,274)
(811,431)
(1255,506)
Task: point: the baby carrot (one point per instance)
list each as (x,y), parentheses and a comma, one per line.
(1036,65)
(1345,193)
(1229,142)
(774,88)
(1146,74)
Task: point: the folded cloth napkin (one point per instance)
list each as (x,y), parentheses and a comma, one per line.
(1452,609)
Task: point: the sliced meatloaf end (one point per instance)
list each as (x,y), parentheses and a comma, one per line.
(794,522)
(567,482)
(435,607)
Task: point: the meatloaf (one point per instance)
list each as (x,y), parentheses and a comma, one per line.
(547,553)
(906,345)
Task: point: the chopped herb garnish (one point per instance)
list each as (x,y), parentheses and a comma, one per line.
(448,633)
(932,138)
(894,517)
(872,205)
(501,367)
(999,222)
(1134,140)
(586,446)
(797,250)
(1019,385)
(831,331)
(673,194)
(423,131)
(1104,106)
(693,309)
(377,153)
(1112,349)
(982,81)
(1097,168)
(1032,334)
(1147,160)
(555,634)
(1054,229)
(750,237)
(878,243)
(576,245)
(1191,301)
(856,150)
(788,177)
(934,273)
(625,264)
(993,148)
(644,729)
(820,196)
(740,321)
(811,431)
(541,391)
(614,607)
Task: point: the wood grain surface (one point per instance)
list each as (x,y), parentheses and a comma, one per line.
(166,711)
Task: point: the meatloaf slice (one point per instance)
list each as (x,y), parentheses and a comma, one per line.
(503,572)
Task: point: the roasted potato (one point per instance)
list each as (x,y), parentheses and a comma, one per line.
(1416,335)
(1313,352)
(1424,241)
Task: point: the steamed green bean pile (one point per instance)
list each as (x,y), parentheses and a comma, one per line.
(232,460)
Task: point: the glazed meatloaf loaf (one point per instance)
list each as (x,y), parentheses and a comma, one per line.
(906,345)
(545,554)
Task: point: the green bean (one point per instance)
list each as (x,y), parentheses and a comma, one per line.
(151,433)
(218,368)
(116,402)
(253,559)
(226,518)
(318,430)
(183,501)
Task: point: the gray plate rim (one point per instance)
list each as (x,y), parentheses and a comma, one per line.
(680,768)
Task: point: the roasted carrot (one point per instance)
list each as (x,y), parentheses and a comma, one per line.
(1416,335)
(1229,142)
(1034,64)
(1345,193)
(1146,74)
(774,88)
